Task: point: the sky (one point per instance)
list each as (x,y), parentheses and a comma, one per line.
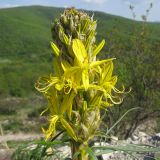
(115,7)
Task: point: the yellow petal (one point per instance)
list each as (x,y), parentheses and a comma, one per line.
(107,71)
(68,128)
(53,103)
(55,49)
(98,48)
(52,127)
(98,63)
(57,67)
(85,78)
(79,50)
(44,83)
(67,102)
(65,65)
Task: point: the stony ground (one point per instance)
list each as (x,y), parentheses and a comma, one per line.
(5,151)
(137,138)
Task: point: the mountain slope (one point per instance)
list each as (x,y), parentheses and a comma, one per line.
(24,43)
(26,30)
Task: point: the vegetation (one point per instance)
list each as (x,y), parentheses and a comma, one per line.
(25,55)
(79,93)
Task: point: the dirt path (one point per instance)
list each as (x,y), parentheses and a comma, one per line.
(19,137)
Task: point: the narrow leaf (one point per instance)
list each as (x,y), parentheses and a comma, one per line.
(91,153)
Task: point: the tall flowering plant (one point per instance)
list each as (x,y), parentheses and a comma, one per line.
(81,86)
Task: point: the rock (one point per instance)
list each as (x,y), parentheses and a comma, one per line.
(114,139)
(5,154)
(149,157)
(138,138)
(134,137)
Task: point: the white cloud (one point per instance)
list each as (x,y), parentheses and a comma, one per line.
(7,5)
(95,1)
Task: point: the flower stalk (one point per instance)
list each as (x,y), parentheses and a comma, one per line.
(80,86)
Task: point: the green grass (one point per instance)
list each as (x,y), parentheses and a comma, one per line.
(24,44)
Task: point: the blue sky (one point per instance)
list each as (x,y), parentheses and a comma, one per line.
(116,7)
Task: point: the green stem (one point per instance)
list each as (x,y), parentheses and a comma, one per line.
(79,148)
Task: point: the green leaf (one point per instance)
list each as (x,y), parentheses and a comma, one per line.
(98,48)
(127,148)
(49,143)
(120,119)
(55,49)
(91,153)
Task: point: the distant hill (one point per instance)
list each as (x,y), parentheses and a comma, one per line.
(24,43)
(25,55)
(25,31)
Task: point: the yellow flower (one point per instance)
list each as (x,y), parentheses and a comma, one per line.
(82,65)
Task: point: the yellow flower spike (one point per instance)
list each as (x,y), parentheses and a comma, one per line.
(80,86)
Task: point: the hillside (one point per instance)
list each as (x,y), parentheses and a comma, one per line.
(25,31)
(25,54)
(24,43)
